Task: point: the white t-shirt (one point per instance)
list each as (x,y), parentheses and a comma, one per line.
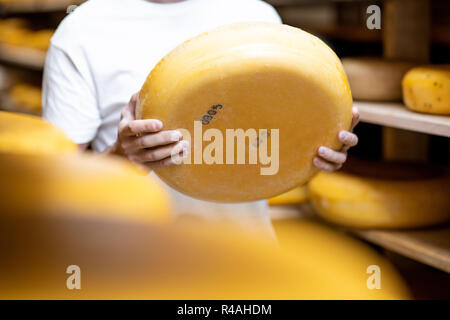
(102,53)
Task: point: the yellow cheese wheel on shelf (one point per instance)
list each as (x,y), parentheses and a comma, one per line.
(26,134)
(294,196)
(375,79)
(383,195)
(342,261)
(26,97)
(249,76)
(129,259)
(80,185)
(427,89)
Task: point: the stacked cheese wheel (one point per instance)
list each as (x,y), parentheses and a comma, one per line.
(294,196)
(383,195)
(253,77)
(26,97)
(26,134)
(125,259)
(427,89)
(376,79)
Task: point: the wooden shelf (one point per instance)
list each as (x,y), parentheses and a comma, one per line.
(30,6)
(25,57)
(396,115)
(428,246)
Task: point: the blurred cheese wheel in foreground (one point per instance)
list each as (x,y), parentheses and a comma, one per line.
(341,261)
(427,89)
(129,260)
(382,195)
(90,186)
(375,79)
(294,196)
(26,134)
(248,76)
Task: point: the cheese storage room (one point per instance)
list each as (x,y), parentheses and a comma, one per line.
(225,150)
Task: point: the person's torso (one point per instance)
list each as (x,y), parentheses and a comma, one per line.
(119,42)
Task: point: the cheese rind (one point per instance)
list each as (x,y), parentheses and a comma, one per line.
(405,198)
(293,196)
(375,79)
(80,186)
(264,76)
(427,89)
(26,134)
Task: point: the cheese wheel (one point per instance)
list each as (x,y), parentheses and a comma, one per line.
(26,97)
(80,185)
(427,89)
(342,261)
(375,79)
(294,196)
(259,76)
(128,260)
(382,195)
(26,134)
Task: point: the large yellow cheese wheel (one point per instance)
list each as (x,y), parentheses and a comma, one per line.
(26,134)
(375,79)
(427,89)
(128,260)
(343,262)
(93,186)
(249,76)
(294,196)
(382,195)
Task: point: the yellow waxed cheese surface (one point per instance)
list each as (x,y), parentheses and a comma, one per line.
(382,195)
(80,185)
(376,79)
(427,89)
(293,196)
(265,76)
(26,134)
(341,261)
(127,260)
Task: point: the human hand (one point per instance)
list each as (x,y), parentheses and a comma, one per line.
(144,142)
(331,160)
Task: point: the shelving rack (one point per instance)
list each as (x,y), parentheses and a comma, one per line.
(23,57)
(429,246)
(30,6)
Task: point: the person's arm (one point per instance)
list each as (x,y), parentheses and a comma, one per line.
(144,142)
(331,160)
(68,97)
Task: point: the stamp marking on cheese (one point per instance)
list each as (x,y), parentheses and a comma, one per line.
(206,119)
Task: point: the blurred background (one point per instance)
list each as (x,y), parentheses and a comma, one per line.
(412,32)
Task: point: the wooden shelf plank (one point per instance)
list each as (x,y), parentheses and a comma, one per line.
(25,57)
(396,115)
(30,6)
(428,246)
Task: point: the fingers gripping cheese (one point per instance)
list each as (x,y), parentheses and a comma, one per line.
(284,88)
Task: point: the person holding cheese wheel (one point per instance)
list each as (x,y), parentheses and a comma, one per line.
(101,54)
